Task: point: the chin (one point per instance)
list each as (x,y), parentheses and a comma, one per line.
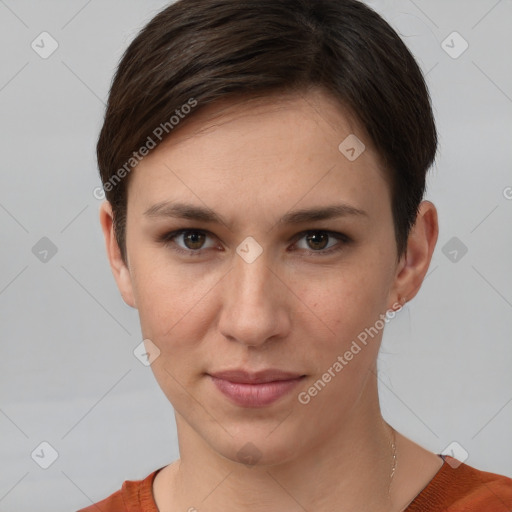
(254,447)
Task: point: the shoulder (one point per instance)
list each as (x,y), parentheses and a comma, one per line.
(462,488)
(134,496)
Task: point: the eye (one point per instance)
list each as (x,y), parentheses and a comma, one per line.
(192,241)
(317,242)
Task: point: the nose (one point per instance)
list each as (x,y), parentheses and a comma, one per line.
(254,303)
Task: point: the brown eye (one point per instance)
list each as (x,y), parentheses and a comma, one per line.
(322,243)
(193,240)
(317,240)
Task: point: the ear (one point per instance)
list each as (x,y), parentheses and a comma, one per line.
(119,268)
(414,264)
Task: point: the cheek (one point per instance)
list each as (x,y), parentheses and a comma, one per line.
(171,299)
(351,305)
(344,300)
(172,304)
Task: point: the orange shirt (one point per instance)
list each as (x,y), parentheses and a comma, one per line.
(456,487)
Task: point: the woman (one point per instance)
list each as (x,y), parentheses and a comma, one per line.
(264,165)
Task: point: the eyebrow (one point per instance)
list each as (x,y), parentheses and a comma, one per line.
(199,213)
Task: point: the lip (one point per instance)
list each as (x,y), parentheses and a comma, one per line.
(241,376)
(258,389)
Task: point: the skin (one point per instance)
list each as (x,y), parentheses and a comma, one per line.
(251,162)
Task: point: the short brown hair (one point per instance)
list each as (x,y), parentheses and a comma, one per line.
(196,52)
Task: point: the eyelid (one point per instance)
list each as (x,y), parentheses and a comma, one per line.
(168,239)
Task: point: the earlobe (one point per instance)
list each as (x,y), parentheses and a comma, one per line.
(421,243)
(119,268)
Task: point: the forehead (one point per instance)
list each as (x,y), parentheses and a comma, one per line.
(277,111)
(270,152)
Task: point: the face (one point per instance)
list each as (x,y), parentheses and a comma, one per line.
(258,280)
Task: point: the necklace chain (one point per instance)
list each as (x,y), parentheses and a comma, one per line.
(394,454)
(394,461)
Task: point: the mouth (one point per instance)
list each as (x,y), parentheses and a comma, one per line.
(258,389)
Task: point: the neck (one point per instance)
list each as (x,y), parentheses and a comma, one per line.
(352,470)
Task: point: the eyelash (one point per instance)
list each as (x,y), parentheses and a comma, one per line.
(168,241)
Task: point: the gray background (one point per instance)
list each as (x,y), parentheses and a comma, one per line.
(68,373)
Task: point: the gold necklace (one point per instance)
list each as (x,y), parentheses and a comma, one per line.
(394,454)
(394,461)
